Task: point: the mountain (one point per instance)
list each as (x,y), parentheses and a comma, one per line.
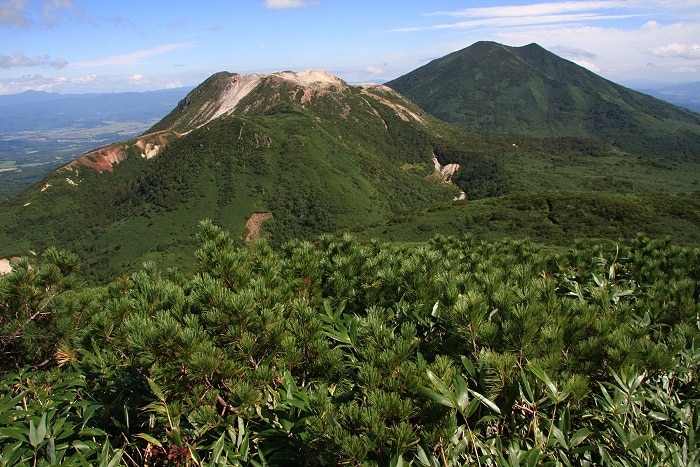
(303,152)
(490,87)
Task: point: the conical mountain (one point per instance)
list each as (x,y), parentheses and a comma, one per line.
(299,153)
(490,87)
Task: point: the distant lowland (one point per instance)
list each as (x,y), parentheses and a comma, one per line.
(40,131)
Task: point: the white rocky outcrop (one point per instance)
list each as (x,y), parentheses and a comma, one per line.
(239,86)
(5,266)
(447,171)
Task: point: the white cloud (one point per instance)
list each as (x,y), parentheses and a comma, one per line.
(284,4)
(535,9)
(374,71)
(83,79)
(27,82)
(586,64)
(13,14)
(138,79)
(132,58)
(689,51)
(18,60)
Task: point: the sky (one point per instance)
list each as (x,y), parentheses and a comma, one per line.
(81,46)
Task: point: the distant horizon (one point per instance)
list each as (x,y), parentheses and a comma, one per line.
(640,85)
(79,47)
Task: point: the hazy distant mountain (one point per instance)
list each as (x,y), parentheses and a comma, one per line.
(307,149)
(685,95)
(491,87)
(32,110)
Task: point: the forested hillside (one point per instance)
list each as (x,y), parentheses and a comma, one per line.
(452,352)
(491,87)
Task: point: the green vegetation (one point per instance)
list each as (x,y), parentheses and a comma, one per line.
(548,319)
(454,351)
(552,219)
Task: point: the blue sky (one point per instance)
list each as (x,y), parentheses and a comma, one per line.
(76,46)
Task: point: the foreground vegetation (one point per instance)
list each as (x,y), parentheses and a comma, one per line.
(454,351)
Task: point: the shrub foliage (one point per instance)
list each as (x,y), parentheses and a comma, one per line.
(450,352)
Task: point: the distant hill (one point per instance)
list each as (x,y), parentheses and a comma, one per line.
(685,95)
(304,153)
(490,87)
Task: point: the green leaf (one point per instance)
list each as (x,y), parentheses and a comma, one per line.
(84,445)
(396,460)
(14,433)
(177,438)
(532,456)
(150,439)
(438,383)
(37,433)
(468,365)
(462,393)
(116,460)
(542,376)
(92,432)
(439,398)
(618,430)
(423,457)
(637,442)
(658,416)
(559,436)
(243,448)
(156,390)
(471,408)
(51,450)
(579,437)
(12,453)
(486,401)
(217,449)
(195,457)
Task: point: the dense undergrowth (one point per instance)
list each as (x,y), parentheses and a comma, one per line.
(338,352)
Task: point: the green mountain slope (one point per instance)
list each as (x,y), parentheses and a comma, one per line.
(491,87)
(308,150)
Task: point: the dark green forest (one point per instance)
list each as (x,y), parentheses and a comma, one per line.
(336,351)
